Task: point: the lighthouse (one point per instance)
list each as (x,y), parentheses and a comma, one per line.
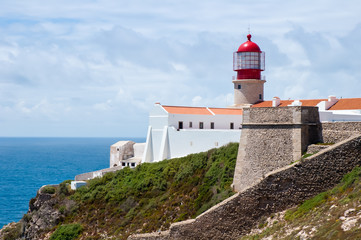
(248,62)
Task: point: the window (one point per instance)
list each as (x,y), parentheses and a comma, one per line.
(200,125)
(239,86)
(231,126)
(212,125)
(260,96)
(180,125)
(190,124)
(123,164)
(133,164)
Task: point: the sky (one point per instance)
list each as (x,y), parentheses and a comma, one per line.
(95,68)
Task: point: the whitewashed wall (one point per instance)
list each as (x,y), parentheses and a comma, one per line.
(164,140)
(340,116)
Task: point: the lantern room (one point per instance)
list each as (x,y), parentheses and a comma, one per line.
(249,60)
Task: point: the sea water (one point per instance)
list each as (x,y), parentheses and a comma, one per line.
(26,164)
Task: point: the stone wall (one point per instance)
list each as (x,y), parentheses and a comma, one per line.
(276,192)
(273,138)
(338,131)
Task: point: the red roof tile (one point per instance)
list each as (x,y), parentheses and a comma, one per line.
(187,110)
(202,110)
(226,111)
(347,104)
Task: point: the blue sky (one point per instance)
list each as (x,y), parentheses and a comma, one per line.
(95,68)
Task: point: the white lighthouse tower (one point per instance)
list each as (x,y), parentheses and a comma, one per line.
(248,62)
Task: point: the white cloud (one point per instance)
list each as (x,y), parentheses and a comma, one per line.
(99,66)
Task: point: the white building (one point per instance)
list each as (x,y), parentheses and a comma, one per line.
(176,131)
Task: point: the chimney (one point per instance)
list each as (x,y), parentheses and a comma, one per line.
(276,101)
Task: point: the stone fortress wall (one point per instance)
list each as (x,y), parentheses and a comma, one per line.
(338,131)
(277,190)
(273,138)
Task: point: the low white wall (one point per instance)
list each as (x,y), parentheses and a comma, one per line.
(139,149)
(171,143)
(184,142)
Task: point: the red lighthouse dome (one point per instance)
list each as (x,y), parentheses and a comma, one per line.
(248,61)
(249,46)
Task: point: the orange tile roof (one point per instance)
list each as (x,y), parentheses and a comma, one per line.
(285,103)
(226,111)
(202,110)
(347,104)
(311,102)
(187,110)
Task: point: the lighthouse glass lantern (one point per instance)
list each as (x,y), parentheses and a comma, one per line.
(249,60)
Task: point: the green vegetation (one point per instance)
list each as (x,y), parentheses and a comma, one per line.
(48,190)
(67,232)
(321,217)
(306,155)
(153,195)
(13,232)
(325,144)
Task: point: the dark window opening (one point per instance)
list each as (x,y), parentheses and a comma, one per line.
(239,86)
(123,164)
(260,96)
(212,125)
(231,126)
(190,124)
(180,125)
(133,164)
(200,125)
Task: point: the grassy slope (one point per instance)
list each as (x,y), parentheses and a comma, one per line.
(152,196)
(335,214)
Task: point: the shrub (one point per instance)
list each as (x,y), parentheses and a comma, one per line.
(12,233)
(48,190)
(67,232)
(63,189)
(62,209)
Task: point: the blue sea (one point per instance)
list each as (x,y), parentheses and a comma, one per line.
(26,164)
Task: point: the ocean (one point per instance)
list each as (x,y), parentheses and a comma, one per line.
(26,164)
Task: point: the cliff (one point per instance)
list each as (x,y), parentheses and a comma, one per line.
(146,199)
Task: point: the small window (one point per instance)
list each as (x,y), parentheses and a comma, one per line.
(123,164)
(212,125)
(260,97)
(180,125)
(133,164)
(239,86)
(200,125)
(118,149)
(231,126)
(190,124)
